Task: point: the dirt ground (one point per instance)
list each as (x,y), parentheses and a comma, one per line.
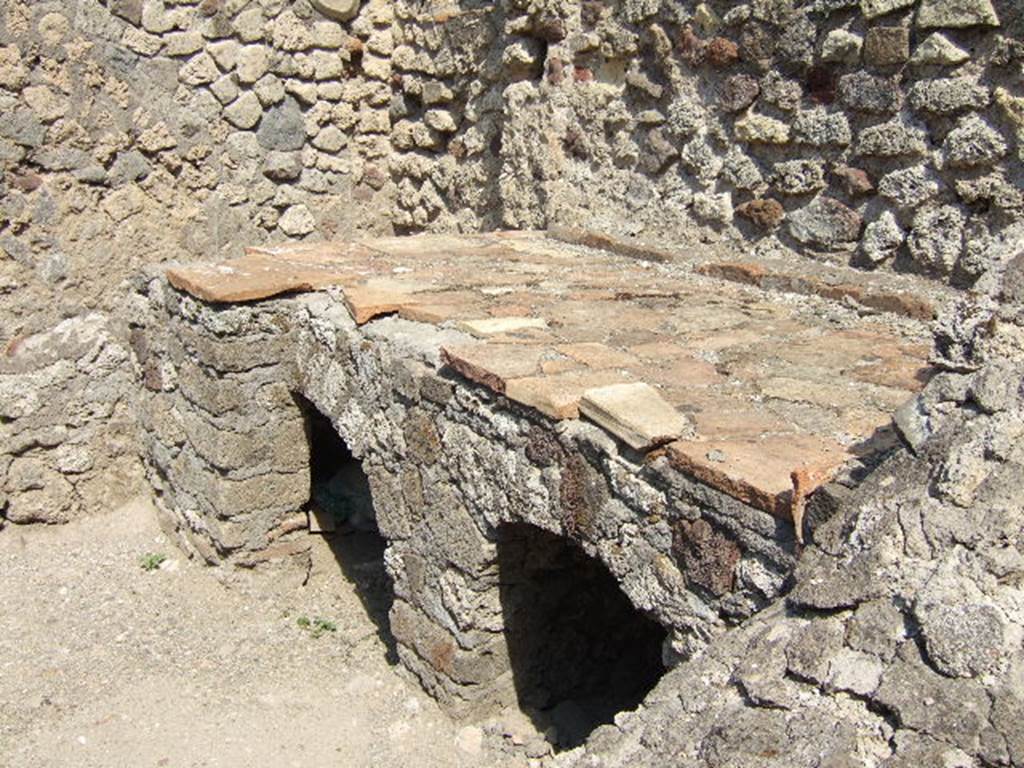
(104,663)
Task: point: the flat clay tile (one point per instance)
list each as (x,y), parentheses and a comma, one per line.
(252,277)
(635,413)
(558,396)
(759,471)
(493,326)
(493,365)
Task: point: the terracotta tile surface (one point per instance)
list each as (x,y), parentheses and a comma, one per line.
(769,389)
(635,413)
(558,395)
(758,471)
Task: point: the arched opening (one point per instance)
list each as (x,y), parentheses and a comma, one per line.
(580,651)
(340,508)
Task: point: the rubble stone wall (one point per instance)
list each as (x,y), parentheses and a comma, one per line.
(900,643)
(448,464)
(894,639)
(887,133)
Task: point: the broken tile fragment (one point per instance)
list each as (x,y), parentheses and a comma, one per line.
(365,303)
(558,396)
(635,413)
(493,326)
(493,365)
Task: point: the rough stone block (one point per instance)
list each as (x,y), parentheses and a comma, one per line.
(886,46)
(825,222)
(875,8)
(956,14)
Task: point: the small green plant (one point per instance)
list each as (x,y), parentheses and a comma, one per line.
(317,626)
(152,560)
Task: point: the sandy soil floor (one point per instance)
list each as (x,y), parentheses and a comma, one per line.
(103,663)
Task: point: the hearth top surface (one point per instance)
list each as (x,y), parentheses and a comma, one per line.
(760,394)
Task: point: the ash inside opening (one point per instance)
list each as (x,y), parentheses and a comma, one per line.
(580,651)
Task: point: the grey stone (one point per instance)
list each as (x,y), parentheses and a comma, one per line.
(282,166)
(936,238)
(870,93)
(854,672)
(23,127)
(994,389)
(948,95)
(283,128)
(842,47)
(795,45)
(882,238)
(909,187)
(130,166)
(875,8)
(92,174)
(244,113)
(892,139)
(972,143)
(912,423)
(799,177)
(937,49)
(662,151)
(808,655)
(821,128)
(926,701)
(738,93)
(963,640)
(781,92)
(993,189)
(714,208)
(685,117)
(914,751)
(956,14)
(129,10)
(877,627)
(740,171)
(342,10)
(886,46)
(701,160)
(825,222)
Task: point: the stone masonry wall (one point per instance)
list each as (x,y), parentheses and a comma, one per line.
(886,133)
(894,639)
(900,643)
(448,464)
